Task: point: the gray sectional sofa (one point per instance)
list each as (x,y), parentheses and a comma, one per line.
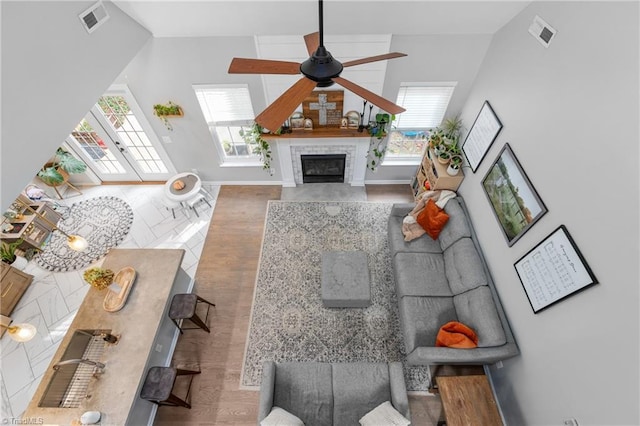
(331,394)
(444,280)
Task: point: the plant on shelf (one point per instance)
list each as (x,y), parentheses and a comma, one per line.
(168,110)
(454,165)
(57,171)
(99,278)
(444,140)
(8,251)
(253,137)
(378,129)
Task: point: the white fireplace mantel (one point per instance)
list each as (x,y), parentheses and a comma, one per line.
(290,149)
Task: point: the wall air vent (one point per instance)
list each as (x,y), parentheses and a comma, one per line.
(93,17)
(542,31)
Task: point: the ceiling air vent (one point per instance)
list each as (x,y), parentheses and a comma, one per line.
(542,31)
(93,17)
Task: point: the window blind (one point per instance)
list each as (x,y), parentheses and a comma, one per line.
(425,105)
(225,104)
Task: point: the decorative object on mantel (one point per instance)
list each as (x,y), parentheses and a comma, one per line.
(117,296)
(324,108)
(168,110)
(515,202)
(320,70)
(553,270)
(353,119)
(253,137)
(297,121)
(104,222)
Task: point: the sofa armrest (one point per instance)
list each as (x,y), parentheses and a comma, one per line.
(399,398)
(401,209)
(435,355)
(267,389)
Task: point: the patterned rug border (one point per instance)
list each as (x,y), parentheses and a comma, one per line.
(421,372)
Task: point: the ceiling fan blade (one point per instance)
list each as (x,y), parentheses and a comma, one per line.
(378,101)
(312,41)
(391,55)
(262,66)
(282,108)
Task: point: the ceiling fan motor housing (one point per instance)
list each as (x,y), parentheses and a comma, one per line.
(321,67)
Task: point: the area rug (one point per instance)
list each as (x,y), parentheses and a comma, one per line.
(288,321)
(103,221)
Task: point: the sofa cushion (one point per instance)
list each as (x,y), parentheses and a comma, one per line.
(422,317)
(432,218)
(420,274)
(423,244)
(457,226)
(384,415)
(281,417)
(463,266)
(305,390)
(357,389)
(476,309)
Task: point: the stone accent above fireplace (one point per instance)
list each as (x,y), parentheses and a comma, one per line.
(290,151)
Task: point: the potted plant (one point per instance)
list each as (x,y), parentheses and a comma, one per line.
(168,110)
(253,138)
(57,171)
(444,156)
(454,165)
(379,128)
(8,251)
(99,278)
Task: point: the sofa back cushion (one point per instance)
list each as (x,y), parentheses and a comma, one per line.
(476,309)
(305,390)
(457,226)
(463,266)
(357,389)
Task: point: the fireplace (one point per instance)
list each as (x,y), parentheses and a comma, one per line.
(323,168)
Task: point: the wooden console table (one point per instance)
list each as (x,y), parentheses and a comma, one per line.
(468,400)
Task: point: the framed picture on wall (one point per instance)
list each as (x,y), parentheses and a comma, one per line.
(553,270)
(483,132)
(514,200)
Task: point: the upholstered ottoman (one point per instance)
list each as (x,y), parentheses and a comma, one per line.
(345,279)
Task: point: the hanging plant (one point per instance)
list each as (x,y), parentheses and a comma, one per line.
(168,110)
(378,144)
(253,138)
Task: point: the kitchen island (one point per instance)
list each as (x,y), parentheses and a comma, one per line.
(147,337)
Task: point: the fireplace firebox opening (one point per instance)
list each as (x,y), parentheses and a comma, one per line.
(323,168)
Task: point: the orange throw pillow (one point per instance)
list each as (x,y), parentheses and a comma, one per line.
(432,218)
(456,335)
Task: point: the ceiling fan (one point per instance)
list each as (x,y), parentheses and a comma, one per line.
(320,70)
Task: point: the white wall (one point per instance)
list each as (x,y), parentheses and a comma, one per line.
(53,71)
(564,109)
(167,67)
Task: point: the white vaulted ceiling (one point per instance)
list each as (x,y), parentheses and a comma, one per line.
(206,18)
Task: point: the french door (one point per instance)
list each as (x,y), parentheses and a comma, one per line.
(117,143)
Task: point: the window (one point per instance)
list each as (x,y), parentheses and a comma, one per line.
(425,105)
(227,109)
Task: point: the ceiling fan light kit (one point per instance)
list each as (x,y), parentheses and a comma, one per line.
(320,70)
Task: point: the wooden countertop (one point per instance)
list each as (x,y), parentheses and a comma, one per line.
(114,392)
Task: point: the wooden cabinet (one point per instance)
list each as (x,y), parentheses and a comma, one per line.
(430,170)
(13,284)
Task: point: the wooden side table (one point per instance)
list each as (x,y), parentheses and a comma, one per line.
(468,400)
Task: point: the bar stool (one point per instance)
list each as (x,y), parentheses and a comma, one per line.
(184,306)
(199,197)
(158,386)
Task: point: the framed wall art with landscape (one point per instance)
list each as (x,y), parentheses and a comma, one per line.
(483,132)
(553,270)
(514,200)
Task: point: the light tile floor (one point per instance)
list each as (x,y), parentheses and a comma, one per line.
(52,299)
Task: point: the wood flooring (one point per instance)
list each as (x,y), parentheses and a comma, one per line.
(226,276)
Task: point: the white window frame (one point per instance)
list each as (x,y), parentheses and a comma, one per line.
(251,160)
(434,121)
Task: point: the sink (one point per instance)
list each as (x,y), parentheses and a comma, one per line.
(68,386)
